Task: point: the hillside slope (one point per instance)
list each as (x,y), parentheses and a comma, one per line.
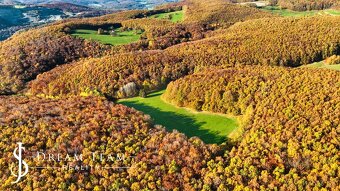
(59,94)
(301,41)
(30,53)
(292,115)
(79,125)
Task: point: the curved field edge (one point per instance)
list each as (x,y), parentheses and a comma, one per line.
(210,127)
(323,65)
(294,125)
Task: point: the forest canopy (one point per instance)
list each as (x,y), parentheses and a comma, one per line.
(85,125)
(292,121)
(302,41)
(59,93)
(30,53)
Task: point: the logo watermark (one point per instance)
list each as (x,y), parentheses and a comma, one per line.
(23,168)
(22,164)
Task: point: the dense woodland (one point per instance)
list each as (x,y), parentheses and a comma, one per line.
(29,54)
(292,118)
(302,41)
(85,125)
(33,52)
(270,41)
(108,75)
(306,5)
(58,92)
(68,7)
(219,13)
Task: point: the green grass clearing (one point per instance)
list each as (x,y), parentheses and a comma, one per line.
(175,17)
(323,65)
(211,128)
(332,12)
(289,13)
(125,37)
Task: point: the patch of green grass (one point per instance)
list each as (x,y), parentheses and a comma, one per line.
(332,12)
(211,128)
(323,65)
(287,12)
(125,37)
(175,17)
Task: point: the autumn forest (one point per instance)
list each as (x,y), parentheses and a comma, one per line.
(87,85)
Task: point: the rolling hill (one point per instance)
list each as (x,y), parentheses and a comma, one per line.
(192,95)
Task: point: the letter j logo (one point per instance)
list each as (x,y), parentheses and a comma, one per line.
(22,164)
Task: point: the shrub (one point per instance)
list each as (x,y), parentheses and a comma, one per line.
(333,60)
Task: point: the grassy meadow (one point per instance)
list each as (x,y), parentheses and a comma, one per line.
(121,37)
(323,65)
(290,13)
(175,17)
(211,128)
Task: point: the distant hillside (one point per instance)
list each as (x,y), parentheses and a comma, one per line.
(36,12)
(22,17)
(8,2)
(297,5)
(110,4)
(73,10)
(67,7)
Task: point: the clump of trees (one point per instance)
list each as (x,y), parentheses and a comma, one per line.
(161,34)
(219,13)
(31,53)
(333,60)
(101,31)
(123,75)
(112,31)
(271,41)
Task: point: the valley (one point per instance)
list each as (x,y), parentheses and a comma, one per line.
(22,17)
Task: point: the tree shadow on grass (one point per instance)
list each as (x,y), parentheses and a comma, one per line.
(183,123)
(155,94)
(78,32)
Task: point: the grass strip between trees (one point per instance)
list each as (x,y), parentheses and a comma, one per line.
(211,128)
